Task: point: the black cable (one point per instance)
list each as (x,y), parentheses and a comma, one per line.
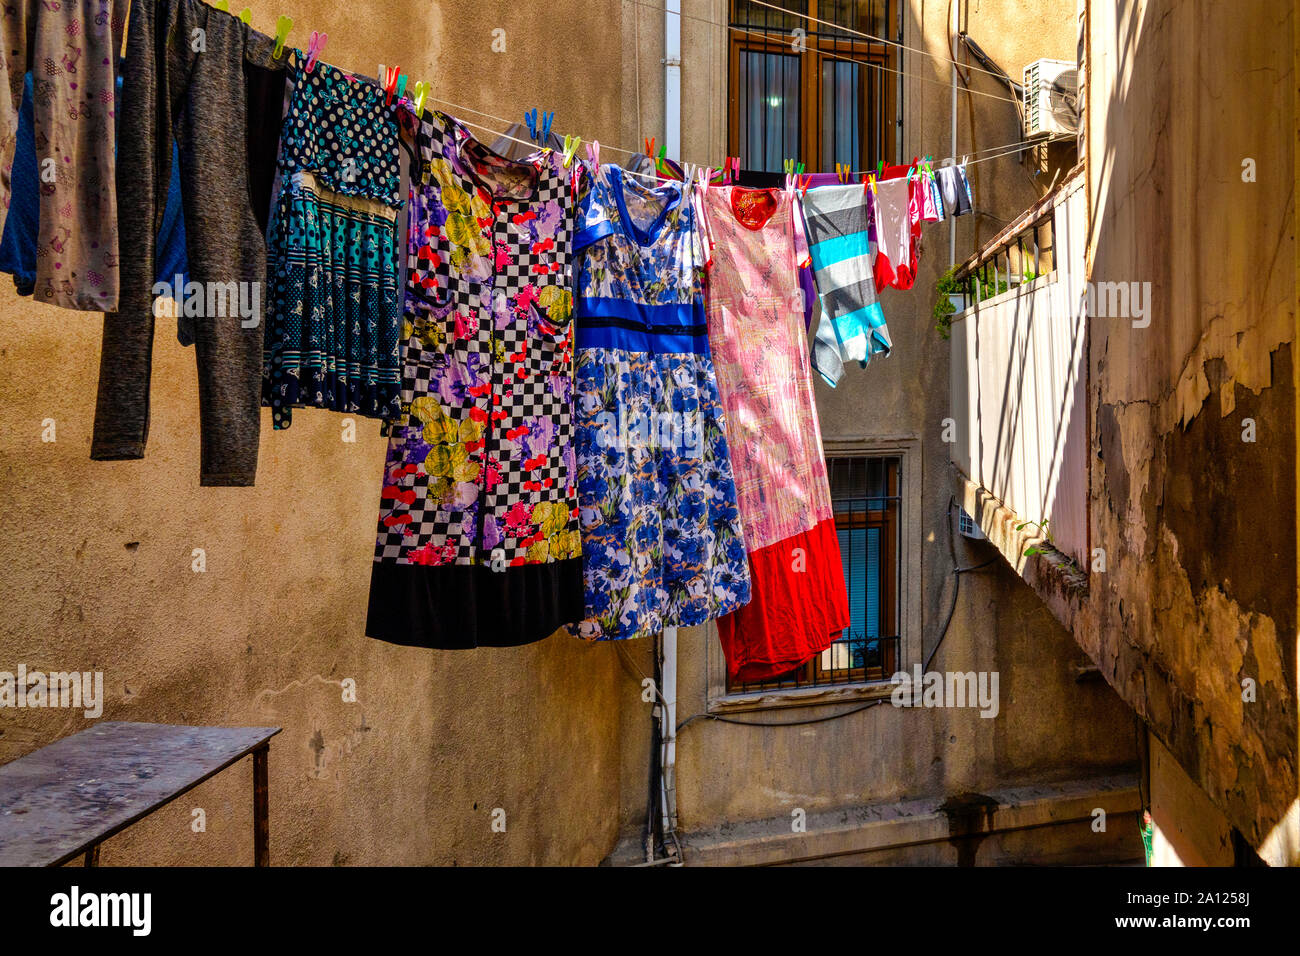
(784,723)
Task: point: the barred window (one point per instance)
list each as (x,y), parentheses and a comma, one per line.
(865,491)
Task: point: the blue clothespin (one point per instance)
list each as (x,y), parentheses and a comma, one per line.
(547,118)
(530,120)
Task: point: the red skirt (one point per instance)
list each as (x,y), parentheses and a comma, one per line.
(799,606)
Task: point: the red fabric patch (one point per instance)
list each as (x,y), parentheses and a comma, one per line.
(793,615)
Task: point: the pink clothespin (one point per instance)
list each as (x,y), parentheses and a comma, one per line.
(593,158)
(314,47)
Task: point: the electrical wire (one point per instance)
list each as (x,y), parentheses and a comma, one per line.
(945,60)
(767,34)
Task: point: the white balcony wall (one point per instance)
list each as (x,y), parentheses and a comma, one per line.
(1018,388)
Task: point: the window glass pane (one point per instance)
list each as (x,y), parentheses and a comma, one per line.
(841,107)
(863,16)
(769,114)
(759,17)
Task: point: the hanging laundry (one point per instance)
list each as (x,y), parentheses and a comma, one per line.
(333,314)
(852,326)
(478,533)
(931,206)
(893,214)
(955,188)
(203,97)
(760,350)
(21,226)
(71,49)
(661,534)
(754,178)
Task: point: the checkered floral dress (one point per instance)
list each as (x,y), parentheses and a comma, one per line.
(478,538)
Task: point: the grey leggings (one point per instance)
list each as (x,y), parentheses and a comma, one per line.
(203,96)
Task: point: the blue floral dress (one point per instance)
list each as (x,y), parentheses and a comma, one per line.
(478,531)
(661,534)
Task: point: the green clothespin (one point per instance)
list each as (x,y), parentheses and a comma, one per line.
(421,90)
(223,5)
(246,15)
(880,169)
(571,144)
(282,28)
(401,85)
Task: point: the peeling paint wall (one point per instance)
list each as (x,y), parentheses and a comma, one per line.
(1194,429)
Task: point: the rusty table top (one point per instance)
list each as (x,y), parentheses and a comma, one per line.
(57,802)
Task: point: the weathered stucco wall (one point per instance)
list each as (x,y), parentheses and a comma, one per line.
(97,557)
(1194,469)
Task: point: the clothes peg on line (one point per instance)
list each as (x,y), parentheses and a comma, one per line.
(593,157)
(314,47)
(401,85)
(571,144)
(246,15)
(390,82)
(418,93)
(223,5)
(282,27)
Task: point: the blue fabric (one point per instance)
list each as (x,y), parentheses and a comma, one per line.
(22,225)
(18,246)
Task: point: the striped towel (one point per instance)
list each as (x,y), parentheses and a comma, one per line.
(852,327)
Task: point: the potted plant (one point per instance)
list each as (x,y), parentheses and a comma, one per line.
(950,298)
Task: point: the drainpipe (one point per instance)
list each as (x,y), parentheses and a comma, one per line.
(953,26)
(673,78)
(668,735)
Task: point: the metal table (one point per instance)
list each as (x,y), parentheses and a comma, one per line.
(65,799)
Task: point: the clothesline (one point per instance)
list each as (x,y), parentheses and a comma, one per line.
(948,60)
(997,152)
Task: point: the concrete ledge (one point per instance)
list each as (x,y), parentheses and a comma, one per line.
(1049,824)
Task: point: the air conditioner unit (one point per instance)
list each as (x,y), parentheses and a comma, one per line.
(967,526)
(1051,98)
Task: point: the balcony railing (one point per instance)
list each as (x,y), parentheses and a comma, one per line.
(1019,369)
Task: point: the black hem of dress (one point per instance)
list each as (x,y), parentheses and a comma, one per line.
(460,606)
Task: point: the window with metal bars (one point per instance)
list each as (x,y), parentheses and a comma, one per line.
(866,494)
(825,95)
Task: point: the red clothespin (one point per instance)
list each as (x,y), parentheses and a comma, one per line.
(804,182)
(314,47)
(390,82)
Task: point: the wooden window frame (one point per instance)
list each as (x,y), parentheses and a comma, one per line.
(878,141)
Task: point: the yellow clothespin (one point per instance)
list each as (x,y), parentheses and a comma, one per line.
(419,91)
(571,144)
(246,15)
(223,5)
(282,28)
